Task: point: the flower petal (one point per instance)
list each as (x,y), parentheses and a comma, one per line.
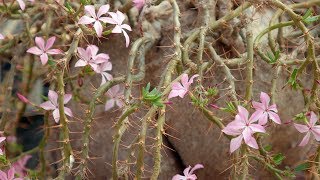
(243,113)
(68,111)
(117,29)
(21,4)
(35,50)
(235,143)
(127,38)
(252,143)
(197,166)
(256,116)
(265,99)
(305,140)
(56,115)
(126,26)
(54,51)
(274,117)
(257,128)
(40,43)
(67,98)
(103,10)
(47,105)
(44,58)
(53,97)
(98,28)
(178,177)
(313,118)
(258,106)
(247,134)
(90,10)
(263,118)
(86,20)
(50,42)
(11,173)
(191,79)
(301,128)
(80,63)
(109,104)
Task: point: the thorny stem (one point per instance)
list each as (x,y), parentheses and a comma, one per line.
(249,78)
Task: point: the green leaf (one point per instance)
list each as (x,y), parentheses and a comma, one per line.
(293,78)
(302,167)
(273,57)
(267,147)
(153,97)
(311,19)
(278,158)
(307,14)
(212,92)
(230,108)
(69,7)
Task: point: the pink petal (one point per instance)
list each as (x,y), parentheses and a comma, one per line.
(313,118)
(257,128)
(84,54)
(184,80)
(86,20)
(191,79)
(90,10)
(177,86)
(127,38)
(44,58)
(243,113)
(107,20)
(23,98)
(263,119)
(258,106)
(186,171)
(2,139)
(252,143)
(109,104)
(316,132)
(40,43)
(120,17)
(56,115)
(80,63)
(117,29)
(301,128)
(119,103)
(126,26)
(35,50)
(235,143)
(101,58)
(98,27)
(50,42)
(68,111)
(3,175)
(175,93)
(11,173)
(197,166)
(54,51)
(139,3)
(47,105)
(114,17)
(265,99)
(21,4)
(273,108)
(103,10)
(53,97)
(247,134)
(1,36)
(256,116)
(92,50)
(274,117)
(67,98)
(305,140)
(178,177)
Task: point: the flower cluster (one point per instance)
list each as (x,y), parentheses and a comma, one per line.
(244,127)
(116,19)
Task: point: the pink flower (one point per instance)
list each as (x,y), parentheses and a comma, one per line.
(43,49)
(1,36)
(309,128)
(264,111)
(9,175)
(102,68)
(244,129)
(114,95)
(117,19)
(92,17)
(1,141)
(22,4)
(20,165)
(139,3)
(91,57)
(188,174)
(180,89)
(52,104)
